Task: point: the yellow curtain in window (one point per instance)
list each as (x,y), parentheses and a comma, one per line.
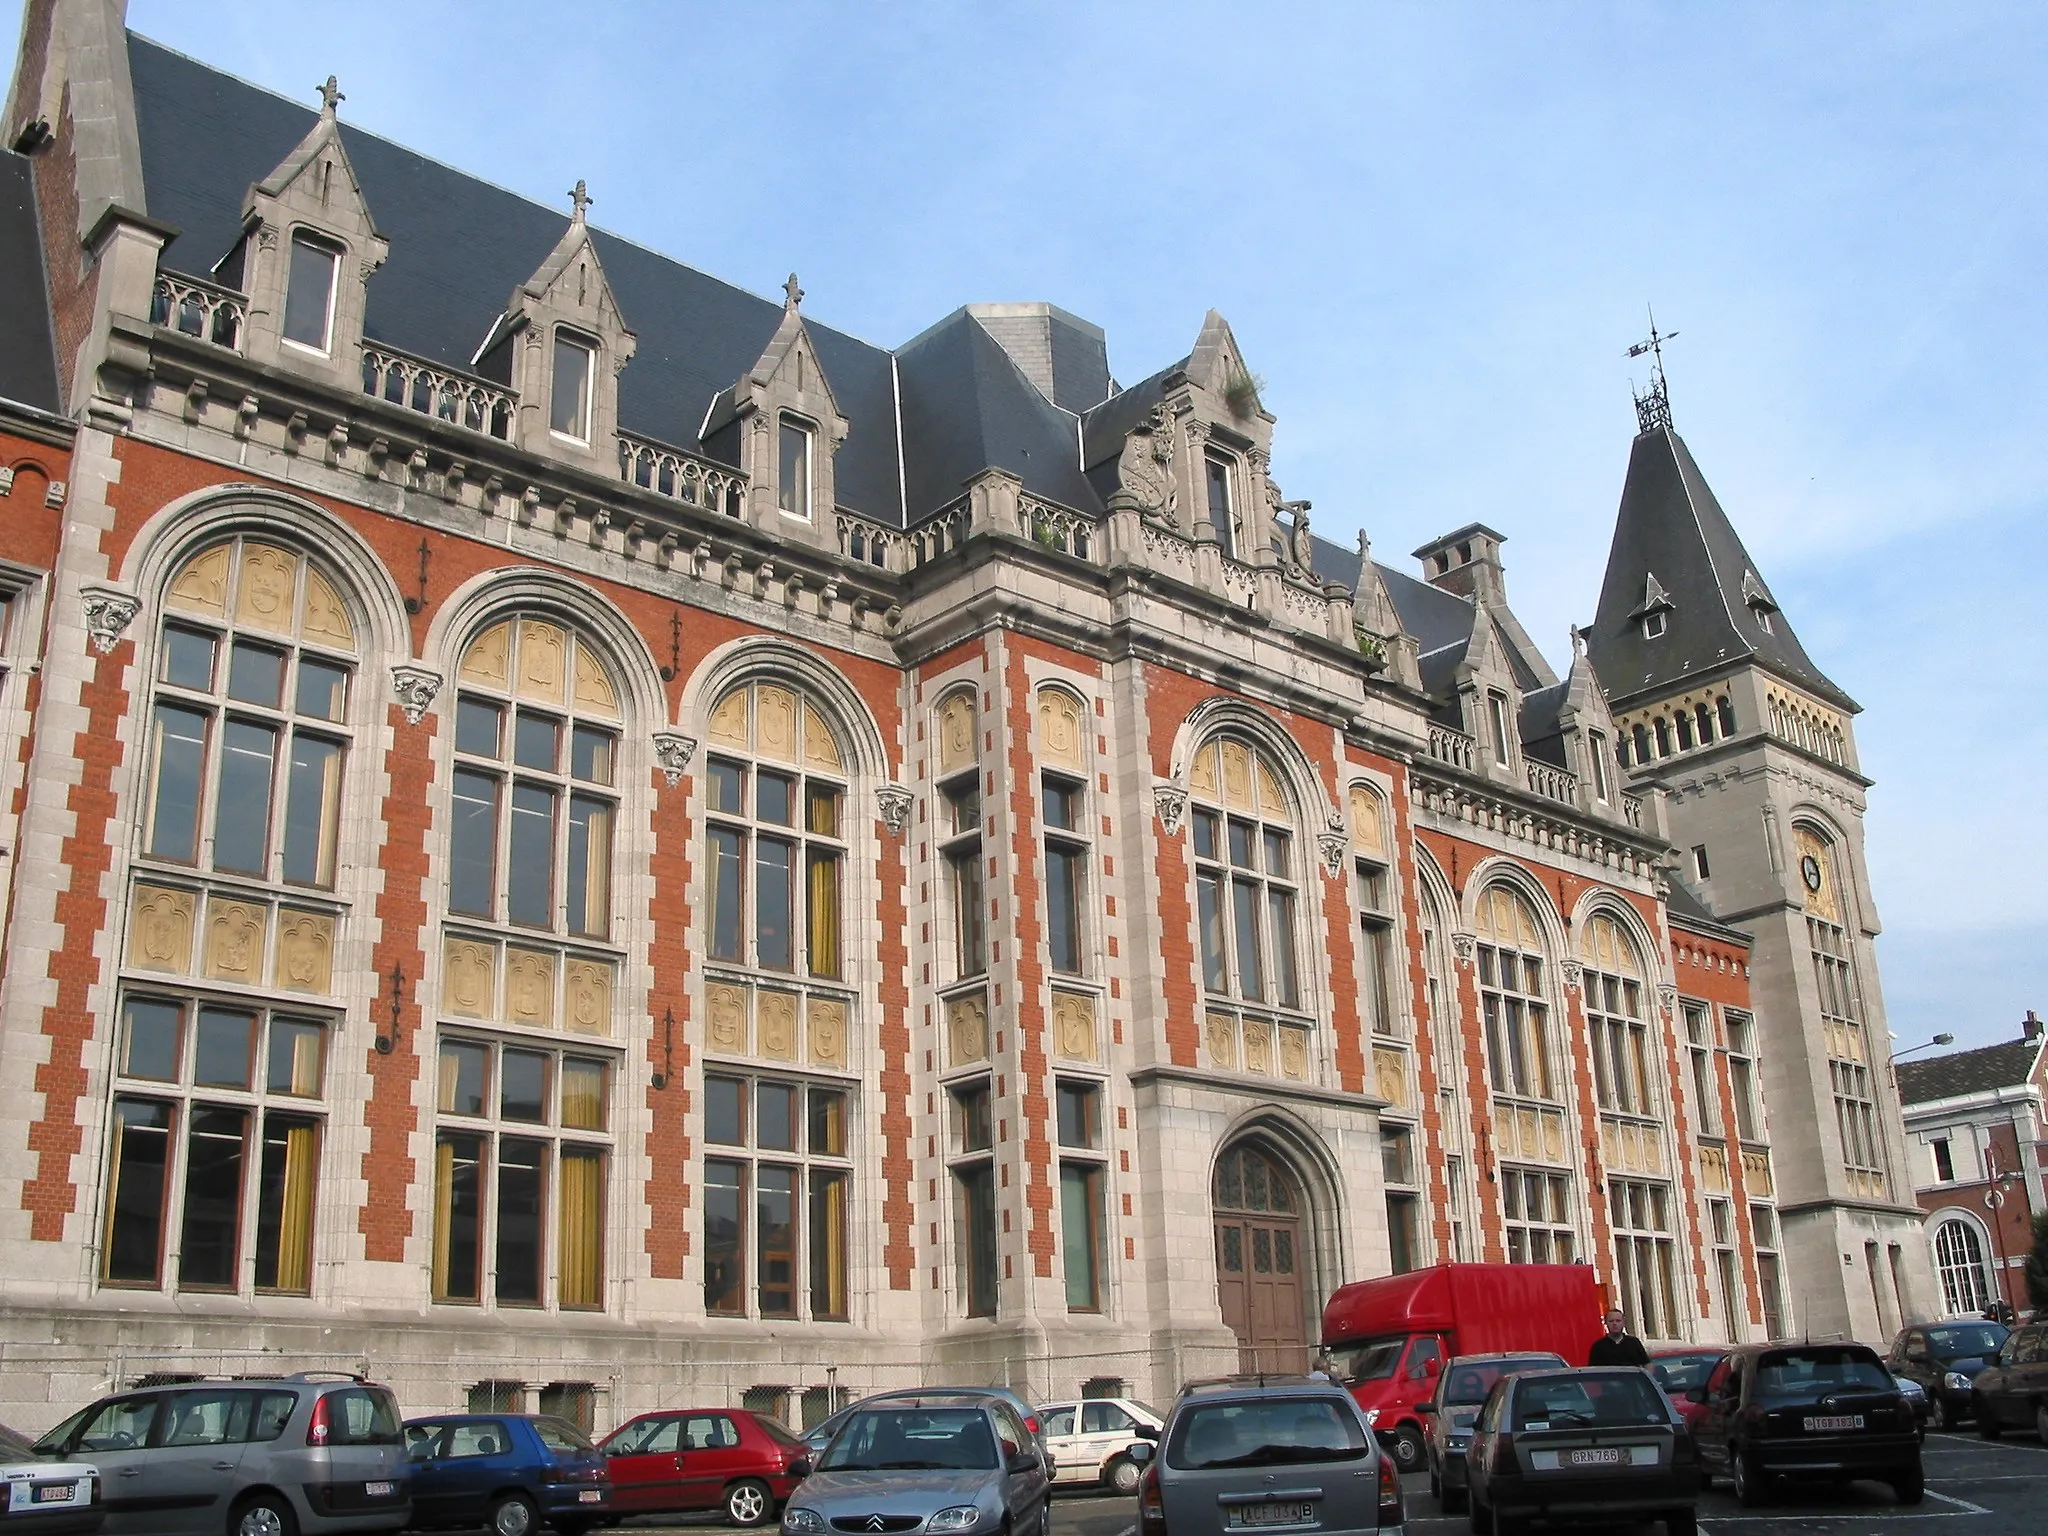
(583,1095)
(444,1197)
(295,1224)
(597,886)
(330,816)
(581,1246)
(828,1245)
(306,1062)
(823,925)
(451,1068)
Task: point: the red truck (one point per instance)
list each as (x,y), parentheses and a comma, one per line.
(1389,1338)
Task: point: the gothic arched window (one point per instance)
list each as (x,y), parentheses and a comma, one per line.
(1612,986)
(1959,1260)
(1513,996)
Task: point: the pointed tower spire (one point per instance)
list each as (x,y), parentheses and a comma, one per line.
(1653,405)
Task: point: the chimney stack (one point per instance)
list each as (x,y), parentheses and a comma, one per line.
(1467,562)
(2031,1027)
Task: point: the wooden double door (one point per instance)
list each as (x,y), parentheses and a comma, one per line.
(1260,1260)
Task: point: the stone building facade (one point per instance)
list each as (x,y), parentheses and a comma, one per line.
(599,841)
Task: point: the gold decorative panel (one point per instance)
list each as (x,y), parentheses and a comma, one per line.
(1258,1046)
(825,1031)
(775,1025)
(587,996)
(160,931)
(1293,1053)
(1390,1075)
(725,1018)
(1223,1041)
(203,585)
(1073,1026)
(1059,727)
(543,661)
(234,941)
(1533,1133)
(775,723)
(530,987)
(469,978)
(305,951)
(1504,918)
(729,719)
(594,692)
(489,657)
(1368,825)
(326,617)
(1237,775)
(263,595)
(1714,1169)
(1756,1173)
(956,731)
(821,747)
(966,1030)
(1607,948)
(1630,1147)
(1271,801)
(1202,774)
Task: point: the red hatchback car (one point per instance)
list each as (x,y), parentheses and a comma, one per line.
(703,1458)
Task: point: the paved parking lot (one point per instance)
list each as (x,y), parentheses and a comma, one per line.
(1974,1488)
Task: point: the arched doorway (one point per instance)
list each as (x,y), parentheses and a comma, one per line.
(1260,1256)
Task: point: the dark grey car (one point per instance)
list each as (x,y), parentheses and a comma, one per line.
(1453,1407)
(950,1464)
(1266,1453)
(264,1457)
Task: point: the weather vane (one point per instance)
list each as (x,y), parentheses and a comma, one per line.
(1653,406)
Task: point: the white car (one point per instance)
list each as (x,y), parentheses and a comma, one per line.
(1089,1439)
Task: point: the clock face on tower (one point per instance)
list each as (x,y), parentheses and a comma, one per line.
(1809,871)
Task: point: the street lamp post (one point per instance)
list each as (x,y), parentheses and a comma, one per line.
(1994,1202)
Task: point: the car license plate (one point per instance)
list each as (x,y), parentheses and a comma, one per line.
(588,1496)
(379,1490)
(1607,1456)
(1273,1513)
(1834,1423)
(55,1493)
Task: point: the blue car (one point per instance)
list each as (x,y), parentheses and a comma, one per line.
(508,1473)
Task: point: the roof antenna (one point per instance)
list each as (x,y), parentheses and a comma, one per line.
(1653,405)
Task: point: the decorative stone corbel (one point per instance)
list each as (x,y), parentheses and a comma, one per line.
(894,802)
(1667,996)
(416,688)
(1171,802)
(1573,972)
(673,751)
(1331,843)
(108,611)
(1465,946)
(53,498)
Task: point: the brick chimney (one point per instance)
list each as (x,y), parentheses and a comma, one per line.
(1465,562)
(2031,1027)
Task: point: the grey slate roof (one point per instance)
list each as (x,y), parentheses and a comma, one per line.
(28,359)
(2008,1064)
(1671,531)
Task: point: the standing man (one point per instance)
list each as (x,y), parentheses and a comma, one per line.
(1617,1346)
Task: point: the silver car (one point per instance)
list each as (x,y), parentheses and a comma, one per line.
(1288,1452)
(947,1464)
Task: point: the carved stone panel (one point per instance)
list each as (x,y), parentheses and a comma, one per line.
(305,951)
(775,1025)
(1059,728)
(160,932)
(202,587)
(729,720)
(1756,1174)
(1714,1169)
(469,981)
(587,996)
(1223,1042)
(825,1031)
(821,747)
(1073,1026)
(725,1015)
(956,732)
(543,661)
(1368,827)
(530,987)
(488,658)
(234,941)
(263,596)
(594,692)
(326,617)
(1258,1046)
(966,1030)
(1293,1053)
(775,723)
(1390,1075)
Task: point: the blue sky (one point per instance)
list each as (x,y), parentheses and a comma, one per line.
(1434,229)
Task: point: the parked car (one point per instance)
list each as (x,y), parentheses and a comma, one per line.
(1916,1399)
(935,1462)
(51,1498)
(1270,1450)
(1826,1412)
(2012,1392)
(1583,1445)
(1449,1413)
(255,1457)
(1945,1359)
(819,1435)
(704,1458)
(1682,1371)
(1088,1440)
(506,1472)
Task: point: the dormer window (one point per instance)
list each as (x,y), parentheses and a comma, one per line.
(793,471)
(1222,504)
(1596,756)
(569,399)
(1497,709)
(1653,625)
(1763,618)
(309,295)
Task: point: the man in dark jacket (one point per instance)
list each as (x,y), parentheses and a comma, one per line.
(1617,1346)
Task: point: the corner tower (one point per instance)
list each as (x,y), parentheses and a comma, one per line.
(1717,705)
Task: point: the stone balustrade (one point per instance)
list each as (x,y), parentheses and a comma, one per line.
(198,308)
(461,399)
(1452,747)
(680,476)
(1551,782)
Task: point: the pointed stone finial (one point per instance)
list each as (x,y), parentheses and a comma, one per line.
(792,296)
(1364,547)
(580,200)
(330,94)
(1578,644)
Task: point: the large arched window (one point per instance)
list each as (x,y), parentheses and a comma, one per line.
(524,1120)
(1612,987)
(1447,1047)
(220,1085)
(1959,1260)
(1247,893)
(779,1101)
(1513,996)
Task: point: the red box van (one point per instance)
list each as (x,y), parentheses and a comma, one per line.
(1389,1338)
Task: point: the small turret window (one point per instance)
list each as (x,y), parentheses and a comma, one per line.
(569,403)
(309,294)
(793,477)
(1653,626)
